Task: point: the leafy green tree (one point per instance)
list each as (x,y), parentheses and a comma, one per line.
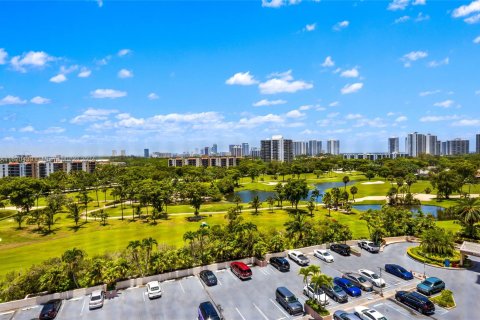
(74,211)
(55,202)
(85,199)
(446,183)
(346,180)
(315,195)
(438,241)
(255,203)
(311,206)
(336,195)
(73,259)
(327,201)
(271,202)
(279,194)
(409,180)
(296,190)
(468,213)
(353,192)
(370,175)
(297,228)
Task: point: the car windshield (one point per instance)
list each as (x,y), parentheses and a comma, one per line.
(362,279)
(349,285)
(337,289)
(292,299)
(302,257)
(95,298)
(326,253)
(374,276)
(427,283)
(154,288)
(401,269)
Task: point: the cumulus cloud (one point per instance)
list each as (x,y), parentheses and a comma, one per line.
(124,52)
(476,40)
(31,59)
(401,119)
(341,25)
(12,100)
(278,3)
(40,100)
(422,17)
(152,96)
(413,56)
(59,78)
(444,104)
(328,62)
(352,88)
(242,79)
(310,27)
(353,116)
(473,19)
(92,115)
(27,129)
(428,93)
(438,118)
(84,73)
(334,104)
(295,114)
(107,93)
(374,123)
(124,73)
(398,5)
(3,56)
(260,120)
(52,130)
(402,19)
(352,73)
(443,62)
(266,102)
(466,10)
(283,83)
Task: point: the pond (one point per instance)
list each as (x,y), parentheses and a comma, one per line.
(248,195)
(426,209)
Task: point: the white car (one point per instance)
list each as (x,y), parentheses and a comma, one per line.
(299,258)
(372,277)
(318,295)
(154,290)
(368,314)
(96,299)
(323,255)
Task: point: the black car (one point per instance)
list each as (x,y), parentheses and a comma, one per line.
(280,263)
(208,278)
(340,248)
(50,309)
(416,301)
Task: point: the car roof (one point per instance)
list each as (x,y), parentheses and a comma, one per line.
(341,280)
(418,296)
(296,252)
(153,283)
(366,271)
(96,292)
(241,265)
(360,308)
(208,307)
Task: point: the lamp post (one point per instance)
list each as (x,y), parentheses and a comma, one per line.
(381,288)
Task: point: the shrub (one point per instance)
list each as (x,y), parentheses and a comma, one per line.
(445,299)
(317,307)
(417,254)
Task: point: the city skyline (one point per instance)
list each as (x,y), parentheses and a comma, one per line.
(170,84)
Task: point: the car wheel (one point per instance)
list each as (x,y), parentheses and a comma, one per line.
(335,299)
(398,299)
(419,310)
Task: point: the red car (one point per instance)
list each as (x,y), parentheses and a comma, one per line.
(241,270)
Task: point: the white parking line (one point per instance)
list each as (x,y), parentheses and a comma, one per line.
(263,314)
(181,286)
(28,308)
(276,305)
(241,316)
(5,313)
(83,307)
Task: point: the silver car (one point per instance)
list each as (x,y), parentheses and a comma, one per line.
(358,280)
(96,299)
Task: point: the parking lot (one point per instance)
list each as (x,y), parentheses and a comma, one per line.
(255,298)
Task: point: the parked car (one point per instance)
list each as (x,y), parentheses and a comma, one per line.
(241,270)
(372,277)
(315,293)
(280,263)
(340,248)
(430,286)
(343,315)
(398,271)
(370,246)
(416,301)
(96,299)
(358,280)
(323,255)
(365,313)
(299,258)
(347,286)
(50,309)
(208,277)
(288,301)
(207,311)
(336,293)
(154,290)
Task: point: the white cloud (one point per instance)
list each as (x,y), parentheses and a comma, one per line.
(375,123)
(352,73)
(328,62)
(466,10)
(398,5)
(477,92)
(401,119)
(444,104)
(295,114)
(3,56)
(59,78)
(40,100)
(278,3)
(473,19)
(428,93)
(422,17)
(467,123)
(341,25)
(84,73)
(31,59)
(27,129)
(242,79)
(434,63)
(413,56)
(283,82)
(402,19)
(104,61)
(92,115)
(332,115)
(353,116)
(476,40)
(390,114)
(10,100)
(334,104)
(351,88)
(100,3)
(305,107)
(107,93)
(152,96)
(260,120)
(53,130)
(438,118)
(266,102)
(419,2)
(124,52)
(124,73)
(310,27)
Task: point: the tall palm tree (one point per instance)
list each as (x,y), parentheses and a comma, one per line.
(271,202)
(316,194)
(468,212)
(189,236)
(336,194)
(319,280)
(311,270)
(256,203)
(237,200)
(353,191)
(72,258)
(148,245)
(327,200)
(134,246)
(297,227)
(346,180)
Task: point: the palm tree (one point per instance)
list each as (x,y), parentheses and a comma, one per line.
(319,280)
(316,194)
(270,202)
(134,246)
(256,203)
(346,180)
(73,258)
(74,211)
(189,236)
(297,227)
(147,245)
(311,206)
(311,270)
(336,197)
(353,191)
(468,212)
(327,200)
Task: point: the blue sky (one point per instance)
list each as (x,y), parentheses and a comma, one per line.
(80,78)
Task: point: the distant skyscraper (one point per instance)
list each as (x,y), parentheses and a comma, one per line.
(314,147)
(393,145)
(214,149)
(477,149)
(299,148)
(415,144)
(123,153)
(333,147)
(206,151)
(114,153)
(431,145)
(146,153)
(255,152)
(245,149)
(457,146)
(276,149)
(235,150)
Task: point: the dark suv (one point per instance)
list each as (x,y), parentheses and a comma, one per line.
(208,278)
(280,263)
(50,309)
(416,301)
(340,248)
(288,301)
